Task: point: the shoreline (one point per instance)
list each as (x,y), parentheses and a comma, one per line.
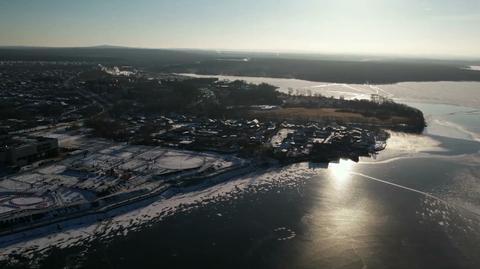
(324,84)
(134,203)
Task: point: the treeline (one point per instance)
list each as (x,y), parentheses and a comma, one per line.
(337,71)
(239,93)
(109,128)
(387,109)
(340,69)
(199,96)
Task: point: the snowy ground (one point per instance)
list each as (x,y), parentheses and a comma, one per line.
(105,167)
(278,138)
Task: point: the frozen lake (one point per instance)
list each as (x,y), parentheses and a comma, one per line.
(416,205)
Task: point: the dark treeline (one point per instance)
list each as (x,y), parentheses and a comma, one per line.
(328,69)
(106,127)
(203,97)
(383,110)
(375,72)
(386,110)
(119,56)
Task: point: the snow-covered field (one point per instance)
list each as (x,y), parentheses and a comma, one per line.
(26,201)
(179,161)
(78,178)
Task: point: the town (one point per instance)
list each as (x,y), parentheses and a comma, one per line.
(89,138)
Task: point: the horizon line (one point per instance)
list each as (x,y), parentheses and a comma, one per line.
(271,51)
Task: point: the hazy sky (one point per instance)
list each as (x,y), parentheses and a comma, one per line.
(415,27)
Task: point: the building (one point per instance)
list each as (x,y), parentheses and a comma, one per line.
(18,151)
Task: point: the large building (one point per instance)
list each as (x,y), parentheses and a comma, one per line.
(18,151)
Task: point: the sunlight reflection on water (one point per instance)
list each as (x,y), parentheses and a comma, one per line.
(341,172)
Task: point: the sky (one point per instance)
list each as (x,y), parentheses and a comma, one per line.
(394,27)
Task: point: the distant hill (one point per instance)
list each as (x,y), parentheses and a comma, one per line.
(315,67)
(106,46)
